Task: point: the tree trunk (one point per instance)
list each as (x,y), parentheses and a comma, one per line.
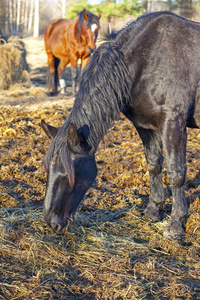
(63,8)
(25,27)
(18,17)
(7,18)
(30,18)
(36,19)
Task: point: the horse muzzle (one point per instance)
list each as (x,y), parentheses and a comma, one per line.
(57,225)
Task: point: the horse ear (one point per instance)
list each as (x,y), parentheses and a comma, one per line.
(49,130)
(99,15)
(85,15)
(72,136)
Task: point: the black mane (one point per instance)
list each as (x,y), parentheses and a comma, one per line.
(104,88)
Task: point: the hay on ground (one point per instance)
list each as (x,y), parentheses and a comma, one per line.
(13,64)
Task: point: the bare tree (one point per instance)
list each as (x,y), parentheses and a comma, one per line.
(25,27)
(18,16)
(63,8)
(36,18)
(7,18)
(30,17)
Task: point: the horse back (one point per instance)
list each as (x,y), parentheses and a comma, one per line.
(163,55)
(55,31)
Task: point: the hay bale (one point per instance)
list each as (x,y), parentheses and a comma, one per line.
(13,62)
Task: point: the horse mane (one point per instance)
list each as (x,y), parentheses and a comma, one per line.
(108,35)
(80,23)
(104,89)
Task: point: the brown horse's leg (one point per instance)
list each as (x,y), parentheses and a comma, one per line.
(84,62)
(61,67)
(53,64)
(51,70)
(73,62)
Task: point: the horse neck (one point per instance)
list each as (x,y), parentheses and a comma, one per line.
(98,105)
(91,122)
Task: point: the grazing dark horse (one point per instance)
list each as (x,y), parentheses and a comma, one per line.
(150,71)
(68,40)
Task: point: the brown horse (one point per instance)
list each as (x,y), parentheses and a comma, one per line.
(66,41)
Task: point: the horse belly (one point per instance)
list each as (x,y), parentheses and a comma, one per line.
(143,114)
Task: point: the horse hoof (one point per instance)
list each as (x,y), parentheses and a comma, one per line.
(152,212)
(63,92)
(174,229)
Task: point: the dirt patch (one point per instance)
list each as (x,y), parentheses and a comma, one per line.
(111,252)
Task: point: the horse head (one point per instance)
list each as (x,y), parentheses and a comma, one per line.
(88,28)
(70,172)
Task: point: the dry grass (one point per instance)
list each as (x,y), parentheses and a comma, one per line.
(13,65)
(15,75)
(111,252)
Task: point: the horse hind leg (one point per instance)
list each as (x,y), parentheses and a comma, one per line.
(62,64)
(51,73)
(154,157)
(49,79)
(175,148)
(56,76)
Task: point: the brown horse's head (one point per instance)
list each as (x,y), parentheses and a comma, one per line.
(88,27)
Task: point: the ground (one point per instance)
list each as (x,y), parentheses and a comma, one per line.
(111,251)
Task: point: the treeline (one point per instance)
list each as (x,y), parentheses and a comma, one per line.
(119,8)
(30,17)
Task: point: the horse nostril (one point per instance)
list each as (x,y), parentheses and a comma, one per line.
(57,228)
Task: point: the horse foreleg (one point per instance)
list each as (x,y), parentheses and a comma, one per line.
(175,146)
(154,157)
(61,67)
(84,62)
(74,71)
